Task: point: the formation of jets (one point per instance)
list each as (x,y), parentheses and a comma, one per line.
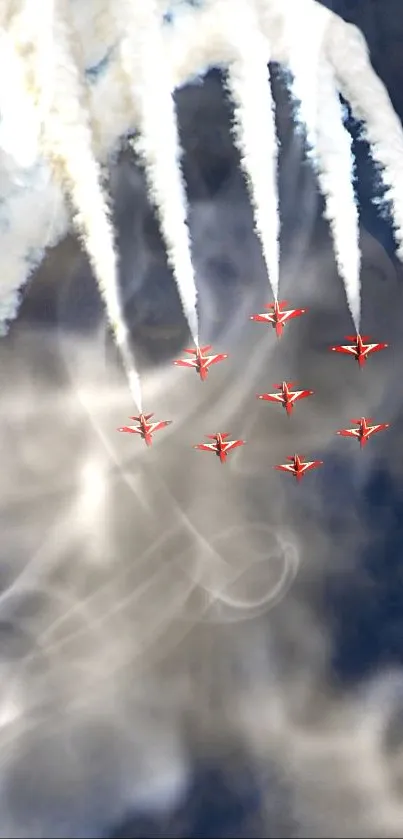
(200,361)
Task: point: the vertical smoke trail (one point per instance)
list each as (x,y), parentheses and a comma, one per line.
(141,52)
(335,166)
(369,100)
(255,132)
(67,136)
(329,147)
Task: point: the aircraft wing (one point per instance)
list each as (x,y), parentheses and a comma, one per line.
(232,444)
(292,313)
(212,359)
(310,464)
(206,447)
(156,426)
(368,348)
(346,349)
(186,362)
(271,397)
(349,432)
(285,467)
(263,317)
(299,394)
(131,429)
(372,429)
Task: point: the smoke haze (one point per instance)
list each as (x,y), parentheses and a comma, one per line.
(161,614)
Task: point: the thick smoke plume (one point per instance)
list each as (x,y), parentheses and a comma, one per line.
(78,118)
(255,132)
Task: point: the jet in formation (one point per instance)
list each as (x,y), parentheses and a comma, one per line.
(298,466)
(364,431)
(145,428)
(201,362)
(358,349)
(286,397)
(277,317)
(221,446)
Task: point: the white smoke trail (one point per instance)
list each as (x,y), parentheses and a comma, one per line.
(158,143)
(255,132)
(330,149)
(336,176)
(369,100)
(68,137)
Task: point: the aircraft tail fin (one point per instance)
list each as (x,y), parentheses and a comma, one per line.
(194,351)
(354,338)
(146,417)
(280,304)
(211,436)
(359,419)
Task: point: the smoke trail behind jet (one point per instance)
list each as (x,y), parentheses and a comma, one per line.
(158,144)
(330,149)
(68,138)
(255,134)
(370,103)
(336,174)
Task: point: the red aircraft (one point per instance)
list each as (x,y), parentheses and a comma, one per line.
(201,362)
(359,349)
(286,397)
(145,428)
(298,466)
(364,431)
(221,445)
(277,317)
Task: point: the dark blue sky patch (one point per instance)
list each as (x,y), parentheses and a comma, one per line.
(93,73)
(175,9)
(364,608)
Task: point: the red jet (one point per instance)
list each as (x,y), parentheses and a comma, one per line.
(287,398)
(359,350)
(221,445)
(278,318)
(145,428)
(201,362)
(364,431)
(298,466)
